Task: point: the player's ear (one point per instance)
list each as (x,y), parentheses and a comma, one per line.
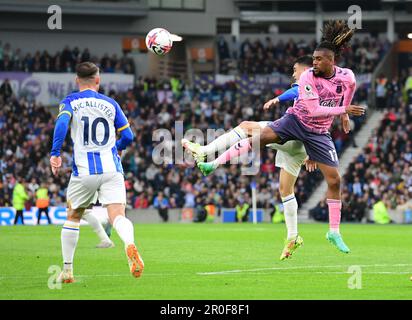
(97,79)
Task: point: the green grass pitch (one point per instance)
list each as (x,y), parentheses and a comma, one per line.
(212,262)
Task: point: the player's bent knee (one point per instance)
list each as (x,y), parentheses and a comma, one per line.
(334,182)
(244,125)
(75,214)
(250,127)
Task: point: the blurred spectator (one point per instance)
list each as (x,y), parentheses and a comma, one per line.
(162,205)
(6,90)
(380,212)
(42,202)
(141,201)
(200,210)
(20,196)
(242,210)
(408,82)
(320,212)
(381,88)
(276,214)
(406,207)
(393,89)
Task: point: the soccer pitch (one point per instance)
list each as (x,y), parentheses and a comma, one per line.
(212,261)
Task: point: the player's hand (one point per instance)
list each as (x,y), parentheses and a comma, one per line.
(310,165)
(268,104)
(345,123)
(55,163)
(355,110)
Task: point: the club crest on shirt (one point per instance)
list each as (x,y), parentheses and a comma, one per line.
(61,107)
(308,91)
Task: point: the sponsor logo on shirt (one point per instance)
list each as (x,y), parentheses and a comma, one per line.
(328,103)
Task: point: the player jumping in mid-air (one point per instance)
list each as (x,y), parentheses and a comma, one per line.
(325,91)
(95,119)
(289,157)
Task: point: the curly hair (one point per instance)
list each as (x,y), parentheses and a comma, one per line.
(336,36)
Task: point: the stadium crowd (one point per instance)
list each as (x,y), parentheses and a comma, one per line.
(26,130)
(12,59)
(254,56)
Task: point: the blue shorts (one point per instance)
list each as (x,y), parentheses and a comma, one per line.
(319,146)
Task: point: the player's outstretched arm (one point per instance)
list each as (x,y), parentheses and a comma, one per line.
(315,110)
(355,110)
(288,95)
(60,132)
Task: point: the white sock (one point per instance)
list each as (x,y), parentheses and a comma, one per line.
(124,228)
(69,238)
(96,225)
(224,141)
(290,206)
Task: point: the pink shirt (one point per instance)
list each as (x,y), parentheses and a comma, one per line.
(321,99)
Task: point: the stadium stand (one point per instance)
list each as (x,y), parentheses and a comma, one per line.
(257,57)
(12,59)
(22,152)
(152,105)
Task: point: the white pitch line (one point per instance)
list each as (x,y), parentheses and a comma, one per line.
(126,275)
(372,272)
(299,267)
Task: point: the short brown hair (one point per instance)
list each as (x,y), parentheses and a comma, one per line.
(86,70)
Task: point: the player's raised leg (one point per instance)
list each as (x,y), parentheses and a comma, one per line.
(97,227)
(224,141)
(266,136)
(334,202)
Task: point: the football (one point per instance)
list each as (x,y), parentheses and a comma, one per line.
(159,41)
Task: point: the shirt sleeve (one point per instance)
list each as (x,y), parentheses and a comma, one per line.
(120,120)
(125,140)
(289,94)
(65,108)
(61,127)
(350,91)
(60,132)
(309,96)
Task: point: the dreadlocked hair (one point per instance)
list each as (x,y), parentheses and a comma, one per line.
(336,36)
